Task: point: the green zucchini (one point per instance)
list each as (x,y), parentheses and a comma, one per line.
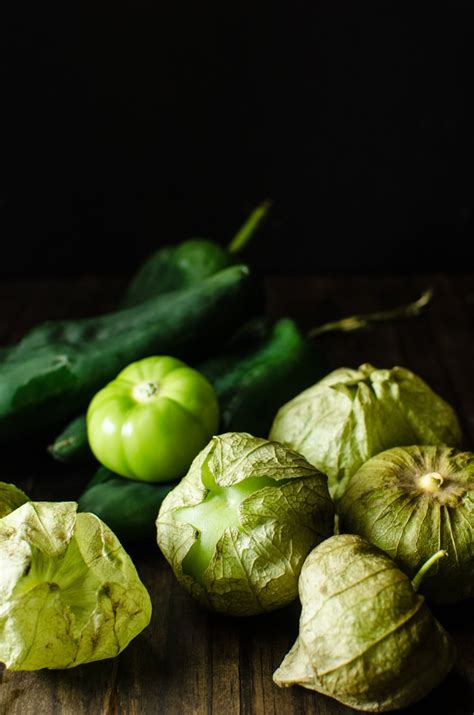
(190,262)
(55,370)
(129,508)
(265,366)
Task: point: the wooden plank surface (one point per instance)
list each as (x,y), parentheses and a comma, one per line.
(190,661)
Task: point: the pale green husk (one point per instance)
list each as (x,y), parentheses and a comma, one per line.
(350,415)
(388,503)
(255,566)
(366,638)
(69,593)
(10,498)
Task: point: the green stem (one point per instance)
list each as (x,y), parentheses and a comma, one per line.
(361,322)
(250,227)
(426,566)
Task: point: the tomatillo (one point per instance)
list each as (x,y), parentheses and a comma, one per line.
(152,420)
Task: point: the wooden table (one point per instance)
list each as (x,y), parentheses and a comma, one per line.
(189,661)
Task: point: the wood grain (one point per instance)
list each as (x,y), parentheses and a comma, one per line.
(189,661)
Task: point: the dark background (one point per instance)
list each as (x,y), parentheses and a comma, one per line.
(138,123)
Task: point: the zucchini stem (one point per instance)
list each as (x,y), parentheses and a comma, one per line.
(426,566)
(367,320)
(250,227)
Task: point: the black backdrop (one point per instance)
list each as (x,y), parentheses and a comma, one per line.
(138,123)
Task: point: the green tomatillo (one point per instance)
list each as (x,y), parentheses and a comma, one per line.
(412,501)
(237,529)
(151,421)
(366,638)
(351,415)
(69,593)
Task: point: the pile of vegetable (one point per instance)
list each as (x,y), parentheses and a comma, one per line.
(215,431)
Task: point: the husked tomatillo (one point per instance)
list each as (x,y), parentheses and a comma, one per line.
(151,421)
